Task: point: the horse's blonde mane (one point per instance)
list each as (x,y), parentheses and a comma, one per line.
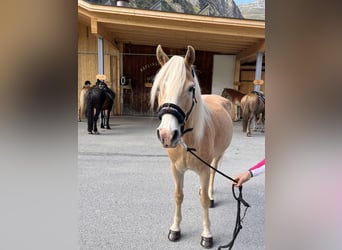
(172,76)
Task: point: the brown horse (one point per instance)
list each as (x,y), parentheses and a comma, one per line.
(189,118)
(235,97)
(252,105)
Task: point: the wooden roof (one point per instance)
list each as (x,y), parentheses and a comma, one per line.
(239,37)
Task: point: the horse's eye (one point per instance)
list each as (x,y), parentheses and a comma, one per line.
(192,88)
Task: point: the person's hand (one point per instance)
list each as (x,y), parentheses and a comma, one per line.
(242,178)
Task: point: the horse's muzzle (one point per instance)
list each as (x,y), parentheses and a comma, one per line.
(169,139)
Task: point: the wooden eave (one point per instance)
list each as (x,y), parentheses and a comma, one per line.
(239,37)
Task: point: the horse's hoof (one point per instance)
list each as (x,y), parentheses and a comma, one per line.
(102,126)
(174,235)
(108,127)
(90,132)
(249,134)
(211,204)
(207,242)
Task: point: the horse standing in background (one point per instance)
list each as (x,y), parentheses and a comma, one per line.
(188,118)
(252,105)
(107,106)
(235,97)
(98,98)
(82,107)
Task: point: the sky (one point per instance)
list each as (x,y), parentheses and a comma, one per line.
(243,1)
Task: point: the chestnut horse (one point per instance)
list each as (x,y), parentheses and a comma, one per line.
(252,105)
(82,107)
(235,97)
(199,121)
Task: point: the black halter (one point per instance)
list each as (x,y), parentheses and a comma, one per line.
(176,111)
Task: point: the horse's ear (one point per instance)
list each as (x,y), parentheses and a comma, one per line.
(161,56)
(190,56)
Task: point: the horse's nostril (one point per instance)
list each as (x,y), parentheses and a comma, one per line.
(175,136)
(158,134)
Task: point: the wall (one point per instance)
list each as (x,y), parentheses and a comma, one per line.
(223,73)
(141,65)
(88,64)
(246,81)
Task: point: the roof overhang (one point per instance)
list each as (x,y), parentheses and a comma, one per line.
(240,37)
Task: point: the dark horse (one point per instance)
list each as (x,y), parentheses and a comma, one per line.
(252,106)
(100,98)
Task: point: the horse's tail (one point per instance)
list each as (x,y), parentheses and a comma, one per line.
(82,104)
(245,112)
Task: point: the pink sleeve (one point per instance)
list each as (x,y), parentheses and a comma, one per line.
(258,165)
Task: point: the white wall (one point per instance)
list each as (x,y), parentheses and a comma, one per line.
(223,74)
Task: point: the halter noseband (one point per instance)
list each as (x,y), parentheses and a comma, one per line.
(176,111)
(172,109)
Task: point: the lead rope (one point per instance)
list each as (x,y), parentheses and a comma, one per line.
(239,198)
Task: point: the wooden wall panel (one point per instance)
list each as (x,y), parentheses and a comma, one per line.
(246,81)
(141,65)
(88,62)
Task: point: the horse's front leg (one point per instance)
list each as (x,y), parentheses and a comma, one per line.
(175,232)
(236,112)
(214,163)
(79,114)
(207,239)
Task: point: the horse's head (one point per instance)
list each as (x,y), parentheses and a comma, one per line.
(176,89)
(101,84)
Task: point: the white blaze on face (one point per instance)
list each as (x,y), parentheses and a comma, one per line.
(168,131)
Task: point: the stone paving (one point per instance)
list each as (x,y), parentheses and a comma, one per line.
(126,191)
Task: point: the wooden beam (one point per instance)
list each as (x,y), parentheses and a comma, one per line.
(251,52)
(174,21)
(93,25)
(129,25)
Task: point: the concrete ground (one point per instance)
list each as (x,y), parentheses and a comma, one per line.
(126,191)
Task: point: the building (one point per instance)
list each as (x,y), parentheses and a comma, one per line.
(121,42)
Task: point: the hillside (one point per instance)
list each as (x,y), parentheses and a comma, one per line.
(253,10)
(224,8)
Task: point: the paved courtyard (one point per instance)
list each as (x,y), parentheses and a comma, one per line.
(126,191)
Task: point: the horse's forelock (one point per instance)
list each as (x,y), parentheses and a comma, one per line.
(173,74)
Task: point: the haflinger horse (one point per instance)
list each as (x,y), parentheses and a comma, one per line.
(252,106)
(235,97)
(82,107)
(100,98)
(188,118)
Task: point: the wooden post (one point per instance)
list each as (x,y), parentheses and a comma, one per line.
(100,55)
(258,70)
(237,74)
